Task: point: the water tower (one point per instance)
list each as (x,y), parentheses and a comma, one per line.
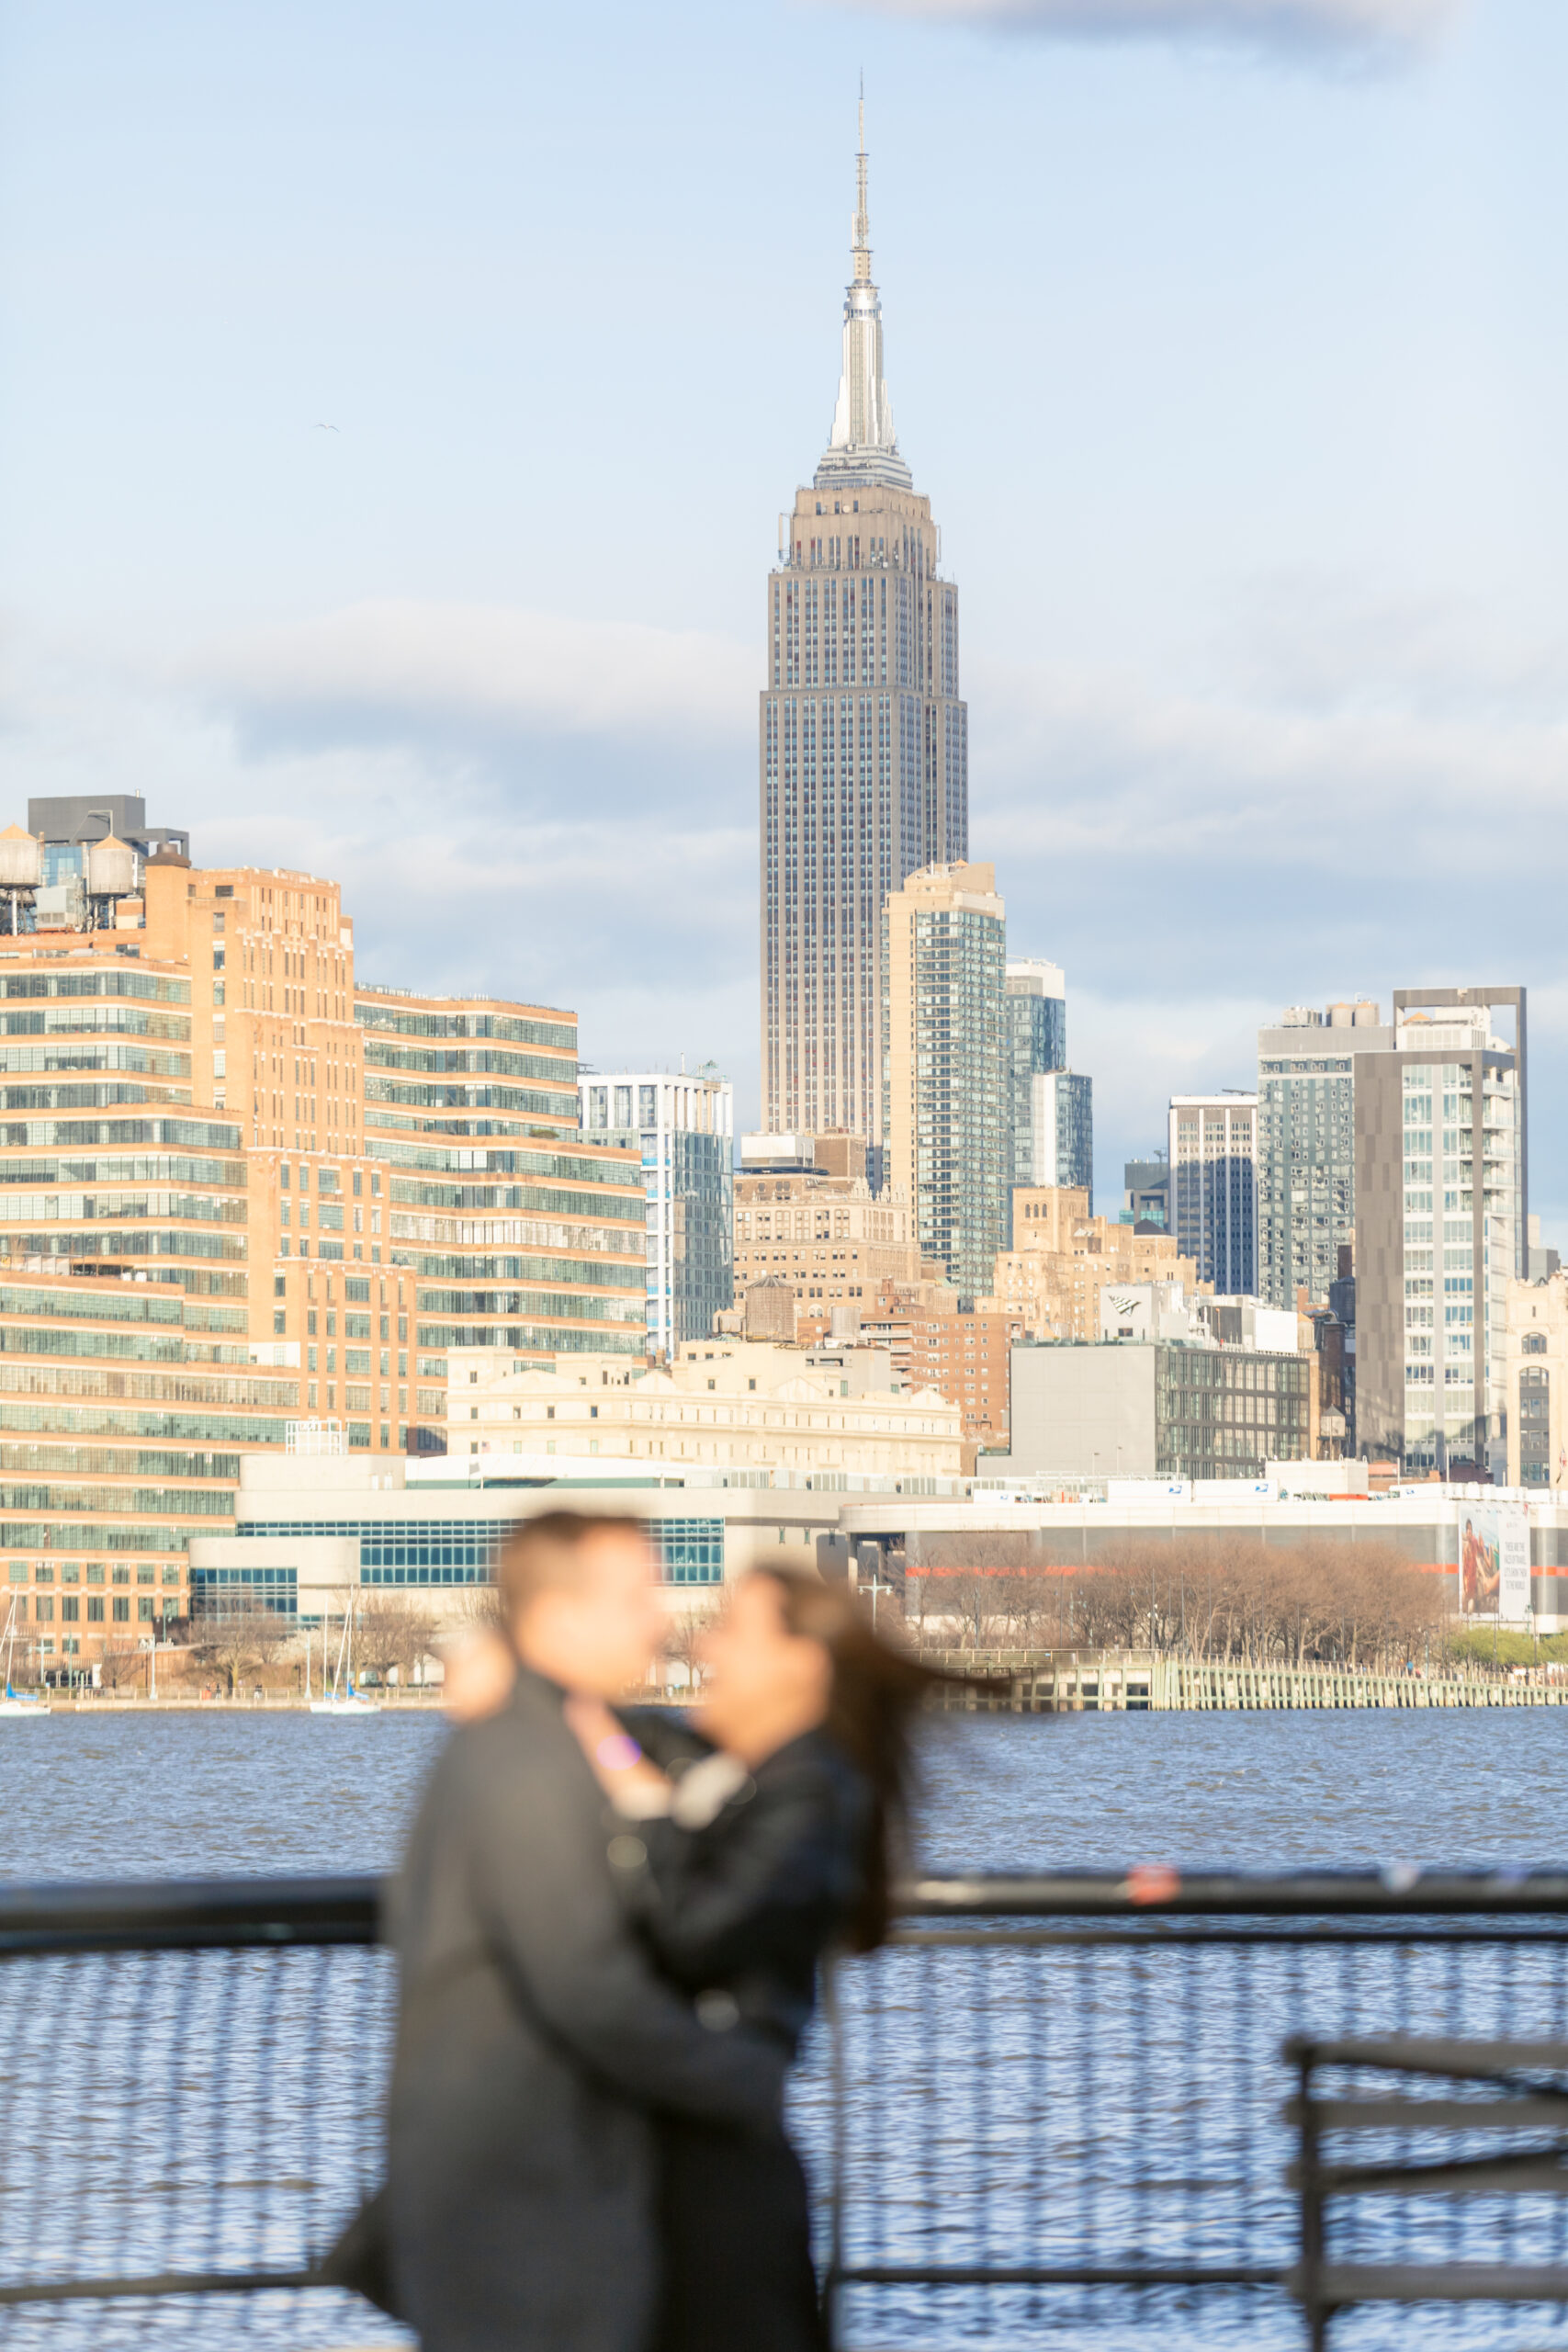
(21,872)
(111,876)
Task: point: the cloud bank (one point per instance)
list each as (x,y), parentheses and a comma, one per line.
(1356,28)
(565,811)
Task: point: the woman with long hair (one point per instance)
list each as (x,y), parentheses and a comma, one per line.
(764,1837)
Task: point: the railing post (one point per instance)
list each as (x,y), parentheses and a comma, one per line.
(1312,2208)
(832,2018)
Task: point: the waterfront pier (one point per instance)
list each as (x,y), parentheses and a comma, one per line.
(1134,1685)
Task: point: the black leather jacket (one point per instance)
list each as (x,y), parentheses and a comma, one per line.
(742,1907)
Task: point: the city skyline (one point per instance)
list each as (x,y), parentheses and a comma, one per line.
(1252,492)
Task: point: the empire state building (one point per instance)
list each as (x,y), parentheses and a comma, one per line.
(864,757)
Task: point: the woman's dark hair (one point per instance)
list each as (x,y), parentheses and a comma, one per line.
(877,1692)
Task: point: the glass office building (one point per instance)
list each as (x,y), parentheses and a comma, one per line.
(1305,1149)
(944,1065)
(683,1128)
(1213,1187)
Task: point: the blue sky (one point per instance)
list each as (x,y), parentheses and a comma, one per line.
(1227,336)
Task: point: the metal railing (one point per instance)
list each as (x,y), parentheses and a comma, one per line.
(1054,2101)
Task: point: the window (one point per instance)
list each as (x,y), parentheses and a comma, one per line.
(95,1609)
(143,1610)
(121,1609)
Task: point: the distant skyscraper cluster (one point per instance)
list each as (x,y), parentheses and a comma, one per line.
(1379,1172)
(892,1009)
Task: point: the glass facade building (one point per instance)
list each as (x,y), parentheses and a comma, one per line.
(944,1066)
(1213,1187)
(1036,1014)
(1226,1412)
(1305,1148)
(409,1550)
(682,1128)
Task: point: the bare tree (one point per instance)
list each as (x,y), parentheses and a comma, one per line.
(1207,1596)
(246,1642)
(682,1637)
(120,1664)
(388,1635)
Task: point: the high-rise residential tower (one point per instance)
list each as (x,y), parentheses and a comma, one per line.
(864,750)
(682,1128)
(1442,1226)
(1213,1186)
(1306,1159)
(944,1066)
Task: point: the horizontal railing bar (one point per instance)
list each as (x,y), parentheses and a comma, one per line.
(240,1911)
(166,2282)
(1193,1935)
(1450,2282)
(1518,2173)
(1537,2111)
(1155,1890)
(1414,2054)
(1036,2274)
(189,1913)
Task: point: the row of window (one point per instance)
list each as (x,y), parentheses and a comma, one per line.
(71,1610)
(464,1551)
(89,1571)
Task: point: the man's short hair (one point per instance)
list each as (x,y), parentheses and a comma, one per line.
(547,1554)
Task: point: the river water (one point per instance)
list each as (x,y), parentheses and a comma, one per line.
(193,1794)
(1021,2103)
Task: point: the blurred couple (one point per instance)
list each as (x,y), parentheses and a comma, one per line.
(608,1926)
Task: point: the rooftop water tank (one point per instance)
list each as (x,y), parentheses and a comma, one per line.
(111,868)
(21,860)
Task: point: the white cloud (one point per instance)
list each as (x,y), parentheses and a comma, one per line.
(394,665)
(1368,26)
(1372,795)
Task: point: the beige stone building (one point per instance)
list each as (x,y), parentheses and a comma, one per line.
(1535,1370)
(1062,1257)
(781,1414)
(823,1233)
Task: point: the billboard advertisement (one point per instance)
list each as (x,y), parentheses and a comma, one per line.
(1494,1562)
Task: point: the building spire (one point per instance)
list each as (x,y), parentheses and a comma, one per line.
(863,448)
(861,235)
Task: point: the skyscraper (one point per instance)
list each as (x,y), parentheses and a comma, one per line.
(863,739)
(1442,1224)
(682,1128)
(944,1075)
(1213,1186)
(1306,1159)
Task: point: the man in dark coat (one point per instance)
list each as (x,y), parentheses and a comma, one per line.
(533,2042)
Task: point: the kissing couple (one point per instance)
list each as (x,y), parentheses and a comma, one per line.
(608,1926)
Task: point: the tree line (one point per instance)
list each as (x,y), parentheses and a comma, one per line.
(1229,1600)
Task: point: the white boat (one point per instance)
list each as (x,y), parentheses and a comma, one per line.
(14,1709)
(344,1699)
